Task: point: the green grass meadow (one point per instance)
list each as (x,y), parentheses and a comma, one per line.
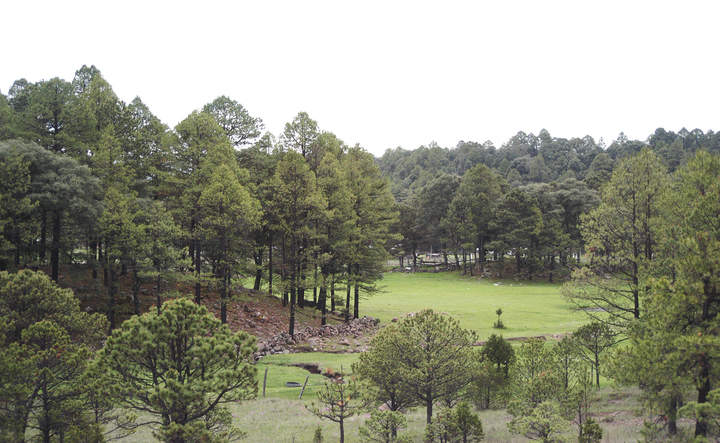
(280,371)
(529,308)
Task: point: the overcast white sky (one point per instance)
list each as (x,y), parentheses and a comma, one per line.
(391,73)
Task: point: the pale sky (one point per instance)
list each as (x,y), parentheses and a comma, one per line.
(391,73)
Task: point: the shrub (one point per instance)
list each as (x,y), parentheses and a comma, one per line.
(382,427)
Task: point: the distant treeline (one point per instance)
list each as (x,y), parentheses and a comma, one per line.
(529,158)
(525,198)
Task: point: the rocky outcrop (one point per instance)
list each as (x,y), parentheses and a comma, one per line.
(283,343)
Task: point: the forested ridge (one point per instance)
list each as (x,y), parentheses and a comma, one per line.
(98,181)
(525,197)
(101,187)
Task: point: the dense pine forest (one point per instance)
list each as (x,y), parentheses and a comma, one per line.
(91,185)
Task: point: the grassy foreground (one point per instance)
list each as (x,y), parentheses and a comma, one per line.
(276,420)
(529,308)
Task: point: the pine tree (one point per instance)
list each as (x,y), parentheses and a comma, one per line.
(621,236)
(228,213)
(46,341)
(180,366)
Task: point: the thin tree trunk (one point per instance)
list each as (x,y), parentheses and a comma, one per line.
(356,305)
(428,408)
(55,251)
(111,294)
(322,300)
(136,290)
(46,422)
(283,274)
(258,269)
(94,258)
(43,236)
(101,258)
(332,293)
(301,284)
(293,287)
(315,299)
(270,264)
(672,414)
(347,298)
(597,370)
(157,292)
(701,425)
(292,309)
(198,295)
(342,432)
(224,297)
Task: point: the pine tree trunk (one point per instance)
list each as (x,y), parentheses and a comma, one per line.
(198,295)
(136,291)
(347,298)
(301,284)
(293,288)
(672,414)
(258,269)
(428,408)
(224,297)
(292,310)
(157,292)
(270,264)
(356,306)
(315,299)
(43,236)
(322,300)
(283,274)
(332,293)
(111,294)
(94,258)
(55,251)
(701,425)
(101,259)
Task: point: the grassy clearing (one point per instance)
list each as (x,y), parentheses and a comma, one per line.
(278,420)
(529,308)
(280,371)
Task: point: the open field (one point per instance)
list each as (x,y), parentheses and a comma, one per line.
(280,371)
(278,420)
(529,308)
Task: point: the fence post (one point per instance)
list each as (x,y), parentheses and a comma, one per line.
(264,381)
(303,388)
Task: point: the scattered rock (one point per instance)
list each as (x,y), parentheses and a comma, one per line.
(315,337)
